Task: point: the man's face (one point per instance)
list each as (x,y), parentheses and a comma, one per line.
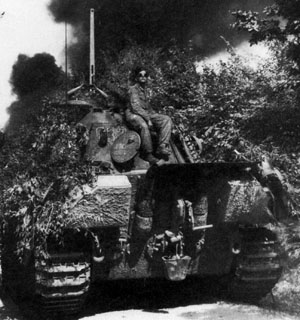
(142,77)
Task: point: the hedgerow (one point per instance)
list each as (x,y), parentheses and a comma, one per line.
(40,164)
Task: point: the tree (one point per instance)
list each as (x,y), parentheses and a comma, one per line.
(280,23)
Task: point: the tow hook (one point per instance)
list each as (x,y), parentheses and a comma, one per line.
(236,247)
(125,246)
(97,250)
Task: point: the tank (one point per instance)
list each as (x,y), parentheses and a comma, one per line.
(181,218)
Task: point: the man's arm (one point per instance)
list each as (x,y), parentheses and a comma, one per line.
(135,102)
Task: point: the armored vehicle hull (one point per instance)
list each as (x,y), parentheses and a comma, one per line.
(173,221)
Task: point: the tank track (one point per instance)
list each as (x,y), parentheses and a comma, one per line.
(192,147)
(258,266)
(187,146)
(62,282)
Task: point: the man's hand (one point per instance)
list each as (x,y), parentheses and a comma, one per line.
(150,124)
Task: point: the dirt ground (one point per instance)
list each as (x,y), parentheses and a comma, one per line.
(213,311)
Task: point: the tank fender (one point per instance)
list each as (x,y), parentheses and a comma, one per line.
(248,203)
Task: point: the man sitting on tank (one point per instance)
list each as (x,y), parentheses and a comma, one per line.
(142,118)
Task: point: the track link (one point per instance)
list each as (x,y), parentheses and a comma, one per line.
(62,282)
(258,267)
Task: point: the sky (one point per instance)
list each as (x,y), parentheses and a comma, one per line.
(25,28)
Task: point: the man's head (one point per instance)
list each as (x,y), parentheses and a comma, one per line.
(140,75)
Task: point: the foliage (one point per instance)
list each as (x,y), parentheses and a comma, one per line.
(282,23)
(235,109)
(32,74)
(40,164)
(173,77)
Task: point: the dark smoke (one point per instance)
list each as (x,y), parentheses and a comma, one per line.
(120,23)
(154,20)
(32,74)
(72,11)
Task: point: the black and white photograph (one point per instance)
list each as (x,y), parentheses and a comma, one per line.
(149,159)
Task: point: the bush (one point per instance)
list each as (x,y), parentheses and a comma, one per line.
(39,165)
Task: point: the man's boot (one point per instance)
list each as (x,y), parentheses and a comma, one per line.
(163,151)
(151,159)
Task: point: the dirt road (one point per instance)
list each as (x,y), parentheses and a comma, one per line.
(207,311)
(213,311)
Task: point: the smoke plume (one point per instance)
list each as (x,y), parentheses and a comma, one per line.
(153,22)
(32,74)
(26,28)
